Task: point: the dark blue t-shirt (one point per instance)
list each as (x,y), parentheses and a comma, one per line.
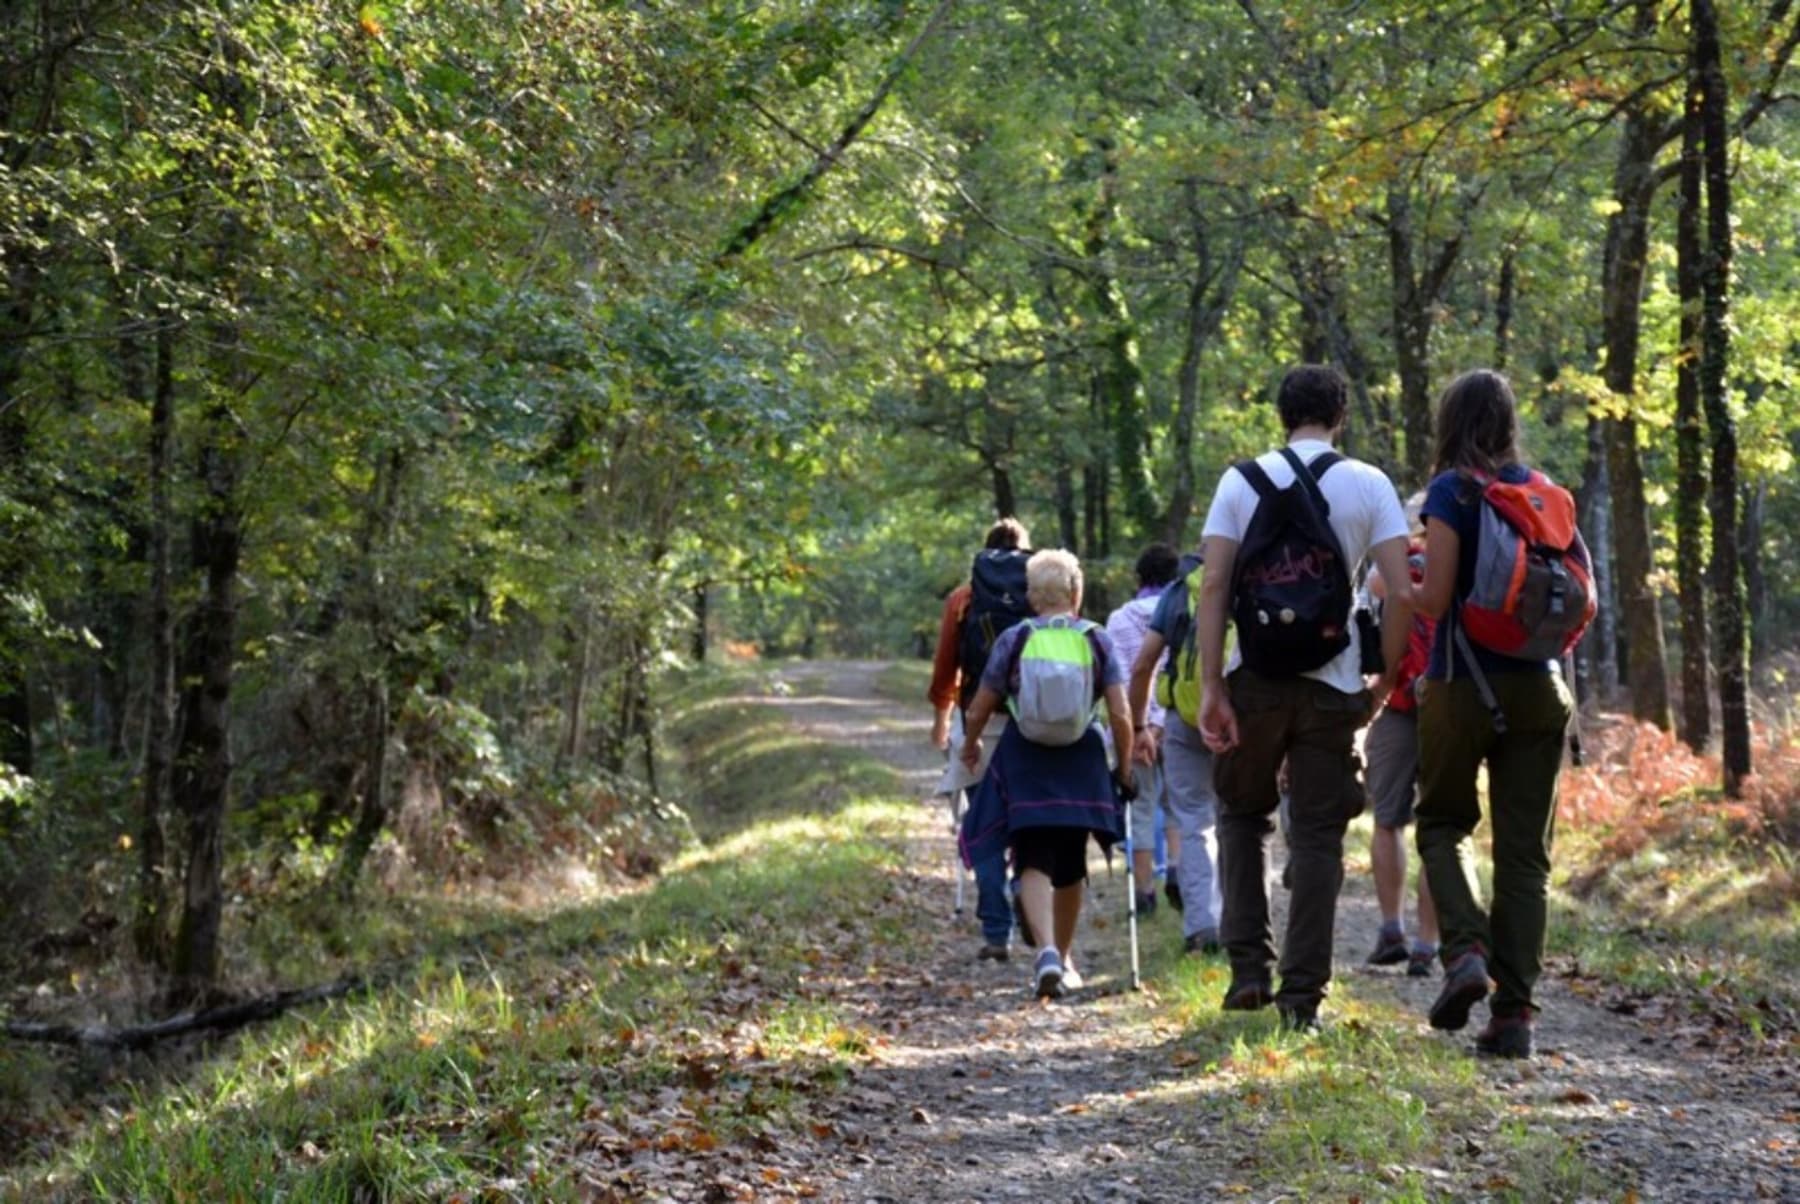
(1455,500)
(1171,612)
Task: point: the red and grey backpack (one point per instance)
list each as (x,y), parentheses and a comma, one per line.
(1533,592)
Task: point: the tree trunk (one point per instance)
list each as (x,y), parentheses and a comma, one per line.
(1208,298)
(206,731)
(159,741)
(372,816)
(1756,582)
(1420,274)
(699,646)
(1006,501)
(1068,521)
(378,534)
(580,637)
(1503,310)
(1370,434)
(1600,650)
(1093,477)
(1412,318)
(15,685)
(1118,380)
(1715,337)
(1627,237)
(1690,490)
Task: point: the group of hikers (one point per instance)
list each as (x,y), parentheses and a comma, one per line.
(1228,694)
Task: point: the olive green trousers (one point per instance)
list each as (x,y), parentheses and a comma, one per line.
(1456,737)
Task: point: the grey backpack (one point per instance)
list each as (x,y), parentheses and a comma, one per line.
(1055,701)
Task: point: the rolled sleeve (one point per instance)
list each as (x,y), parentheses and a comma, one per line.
(946,666)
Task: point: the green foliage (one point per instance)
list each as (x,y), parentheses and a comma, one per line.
(432,296)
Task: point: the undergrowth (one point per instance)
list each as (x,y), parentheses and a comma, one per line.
(530,1051)
(1664,884)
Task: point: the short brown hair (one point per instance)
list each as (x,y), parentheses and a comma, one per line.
(1312,395)
(1008,534)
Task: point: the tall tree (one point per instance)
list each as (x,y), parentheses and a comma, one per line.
(1690,437)
(1715,336)
(1626,252)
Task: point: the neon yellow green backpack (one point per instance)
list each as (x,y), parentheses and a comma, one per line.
(1178,685)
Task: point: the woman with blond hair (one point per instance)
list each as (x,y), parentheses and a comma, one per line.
(1049,785)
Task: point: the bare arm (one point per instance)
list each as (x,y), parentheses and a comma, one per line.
(1396,613)
(1118,713)
(980,710)
(1143,674)
(1218,722)
(1443,552)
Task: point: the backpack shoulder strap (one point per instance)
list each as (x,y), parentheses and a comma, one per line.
(1308,477)
(1259,480)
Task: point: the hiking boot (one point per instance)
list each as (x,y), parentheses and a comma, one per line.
(1172,892)
(1300,1018)
(1251,996)
(1390,949)
(1026,936)
(1205,942)
(1146,903)
(993,953)
(1047,975)
(1506,1036)
(1465,985)
(1419,963)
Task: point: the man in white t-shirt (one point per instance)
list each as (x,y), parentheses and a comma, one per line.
(1255,721)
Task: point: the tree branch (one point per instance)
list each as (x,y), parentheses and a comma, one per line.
(141,1036)
(778,206)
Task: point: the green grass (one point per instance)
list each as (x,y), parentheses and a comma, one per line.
(904,681)
(678,1017)
(747,763)
(1376,1107)
(1699,911)
(463,1076)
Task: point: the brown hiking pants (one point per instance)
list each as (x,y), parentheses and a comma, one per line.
(1310,726)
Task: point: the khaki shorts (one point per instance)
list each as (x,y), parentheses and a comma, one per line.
(1391,752)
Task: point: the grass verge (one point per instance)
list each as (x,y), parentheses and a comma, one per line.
(745,762)
(1375,1107)
(570,1053)
(1697,910)
(1670,896)
(904,681)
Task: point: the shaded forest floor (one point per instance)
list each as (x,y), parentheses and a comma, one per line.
(792,1011)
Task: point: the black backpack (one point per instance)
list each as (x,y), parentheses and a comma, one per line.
(996,602)
(1290,595)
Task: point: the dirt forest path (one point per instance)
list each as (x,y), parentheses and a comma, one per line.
(983,1094)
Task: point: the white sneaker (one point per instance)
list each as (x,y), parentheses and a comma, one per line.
(1072,980)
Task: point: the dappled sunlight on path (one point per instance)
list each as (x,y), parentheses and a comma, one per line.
(978,1092)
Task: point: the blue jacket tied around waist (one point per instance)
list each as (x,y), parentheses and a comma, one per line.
(1041,786)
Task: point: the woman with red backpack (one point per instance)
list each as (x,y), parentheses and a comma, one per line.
(1508,575)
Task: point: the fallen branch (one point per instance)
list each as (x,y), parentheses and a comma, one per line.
(228,1016)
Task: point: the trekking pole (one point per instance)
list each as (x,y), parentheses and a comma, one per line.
(1575,751)
(1126,797)
(956,801)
